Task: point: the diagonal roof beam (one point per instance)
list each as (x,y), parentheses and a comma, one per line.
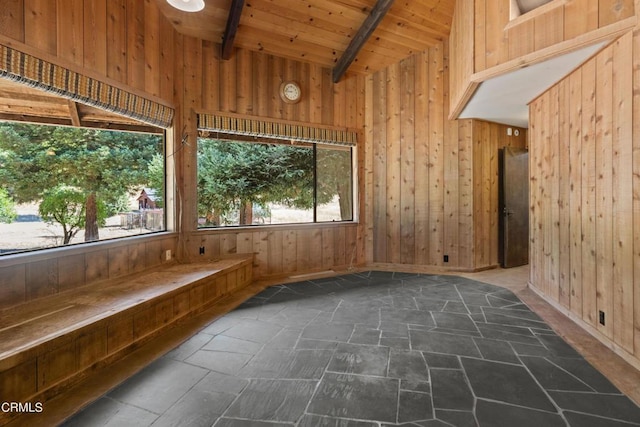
(232,27)
(369,25)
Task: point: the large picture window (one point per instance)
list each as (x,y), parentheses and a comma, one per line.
(64,185)
(255,183)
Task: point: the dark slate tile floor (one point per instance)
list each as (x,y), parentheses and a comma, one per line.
(370,349)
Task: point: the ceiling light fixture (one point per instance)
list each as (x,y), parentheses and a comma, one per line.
(187,5)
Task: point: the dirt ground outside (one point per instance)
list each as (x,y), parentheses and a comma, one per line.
(30,232)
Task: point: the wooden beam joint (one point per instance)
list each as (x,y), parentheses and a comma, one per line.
(232,28)
(364,32)
(74,113)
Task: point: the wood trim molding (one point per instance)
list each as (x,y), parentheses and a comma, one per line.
(464,99)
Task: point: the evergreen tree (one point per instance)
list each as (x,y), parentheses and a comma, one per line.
(102,164)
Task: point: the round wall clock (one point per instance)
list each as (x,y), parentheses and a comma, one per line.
(290,92)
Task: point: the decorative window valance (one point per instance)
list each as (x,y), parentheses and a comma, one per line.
(259,128)
(41,74)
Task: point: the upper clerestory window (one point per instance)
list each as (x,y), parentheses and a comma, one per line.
(521,7)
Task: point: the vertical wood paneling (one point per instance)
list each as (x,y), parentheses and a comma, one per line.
(535,205)
(95,42)
(543,192)
(379,166)
(571,19)
(436,159)
(478,165)
(339,103)
(289,251)
(304,79)
(248,83)
(227,84)
(40,25)
(12,20)
(613,11)
(563,197)
(210,80)
(117,40)
(600,183)
(448,170)
(368,178)
(407,161)
(151,45)
(575,195)
(548,29)
(525,34)
(581,16)
(167,53)
(128,41)
(244,78)
(421,150)
(261,85)
(466,248)
(452,177)
(588,185)
(635,128)
(315,93)
(553,185)
(393,166)
(135,51)
(604,202)
(462,47)
(70,20)
(622,153)
(303,248)
(192,61)
(480,33)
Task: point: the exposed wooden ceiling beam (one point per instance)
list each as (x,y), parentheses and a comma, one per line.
(377,13)
(232,28)
(73,112)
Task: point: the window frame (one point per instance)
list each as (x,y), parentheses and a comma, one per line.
(235,138)
(168,216)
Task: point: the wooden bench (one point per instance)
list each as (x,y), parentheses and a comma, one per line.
(51,343)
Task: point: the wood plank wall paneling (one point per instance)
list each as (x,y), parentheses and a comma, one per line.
(49,273)
(487,43)
(462,47)
(494,45)
(283,251)
(248,83)
(589,120)
(438,178)
(635,181)
(128,41)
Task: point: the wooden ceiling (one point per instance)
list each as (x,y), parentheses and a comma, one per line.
(19,102)
(316,31)
(319,31)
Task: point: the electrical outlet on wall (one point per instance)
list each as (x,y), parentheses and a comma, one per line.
(167,255)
